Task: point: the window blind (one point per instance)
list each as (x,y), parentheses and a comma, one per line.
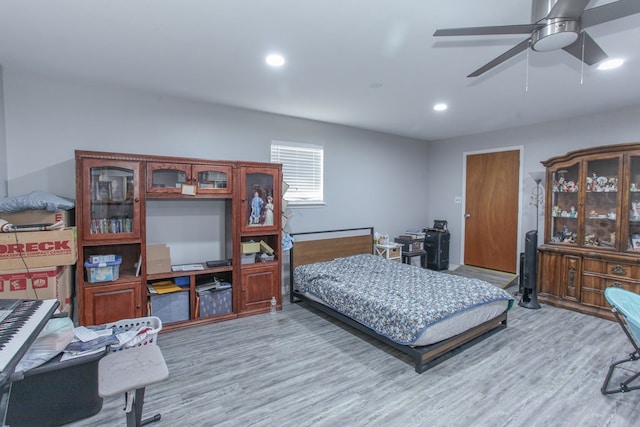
(302,170)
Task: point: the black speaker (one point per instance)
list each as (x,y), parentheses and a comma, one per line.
(529,298)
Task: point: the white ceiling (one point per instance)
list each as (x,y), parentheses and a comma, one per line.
(372,64)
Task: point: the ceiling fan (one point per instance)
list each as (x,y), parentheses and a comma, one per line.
(557,24)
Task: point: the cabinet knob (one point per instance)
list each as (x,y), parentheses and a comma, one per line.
(467,215)
(619,270)
(617,285)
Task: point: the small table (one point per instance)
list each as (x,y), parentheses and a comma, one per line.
(407,256)
(392,251)
(130,371)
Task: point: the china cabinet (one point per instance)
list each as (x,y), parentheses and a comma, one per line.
(113,194)
(592,227)
(260,215)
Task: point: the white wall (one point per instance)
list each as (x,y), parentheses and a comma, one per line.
(372,179)
(540,142)
(3,141)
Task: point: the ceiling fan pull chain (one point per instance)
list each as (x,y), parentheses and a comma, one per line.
(582,60)
(526,84)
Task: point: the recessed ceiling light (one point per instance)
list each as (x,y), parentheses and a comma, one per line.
(440,107)
(275,60)
(610,64)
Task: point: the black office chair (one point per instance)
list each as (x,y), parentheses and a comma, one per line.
(625,306)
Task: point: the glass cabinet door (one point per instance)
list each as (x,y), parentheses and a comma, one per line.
(601,202)
(634,205)
(260,200)
(564,205)
(167,177)
(212,179)
(114,207)
(175,178)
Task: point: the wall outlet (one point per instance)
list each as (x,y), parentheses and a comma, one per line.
(458,199)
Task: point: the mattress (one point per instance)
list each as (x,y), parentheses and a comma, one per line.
(407,304)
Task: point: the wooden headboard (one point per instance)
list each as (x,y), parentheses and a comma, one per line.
(325,248)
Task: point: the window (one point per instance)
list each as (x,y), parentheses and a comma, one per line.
(302,170)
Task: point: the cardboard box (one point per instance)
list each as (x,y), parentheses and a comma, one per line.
(39,283)
(34,249)
(37,216)
(250,247)
(158,259)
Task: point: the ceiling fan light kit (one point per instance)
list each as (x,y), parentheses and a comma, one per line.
(557,34)
(556,24)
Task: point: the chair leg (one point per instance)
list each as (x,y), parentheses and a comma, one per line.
(134,409)
(624,386)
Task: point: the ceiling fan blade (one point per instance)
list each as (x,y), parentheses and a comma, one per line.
(592,52)
(609,12)
(520,47)
(483,31)
(567,9)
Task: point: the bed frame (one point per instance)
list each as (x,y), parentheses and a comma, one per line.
(361,241)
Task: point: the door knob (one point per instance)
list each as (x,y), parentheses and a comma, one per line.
(467,215)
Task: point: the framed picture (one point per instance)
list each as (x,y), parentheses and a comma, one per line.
(118,188)
(103,190)
(635,243)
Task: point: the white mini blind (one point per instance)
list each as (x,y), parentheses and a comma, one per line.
(302,170)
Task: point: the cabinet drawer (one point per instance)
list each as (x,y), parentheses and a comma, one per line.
(594,266)
(611,269)
(619,269)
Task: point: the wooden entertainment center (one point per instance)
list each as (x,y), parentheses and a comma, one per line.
(112,194)
(592,228)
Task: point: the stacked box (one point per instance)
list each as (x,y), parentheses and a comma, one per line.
(248,258)
(38,249)
(37,216)
(215,301)
(39,283)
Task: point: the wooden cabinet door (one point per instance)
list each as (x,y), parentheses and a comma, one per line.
(212,179)
(571,277)
(109,303)
(259,283)
(110,200)
(168,178)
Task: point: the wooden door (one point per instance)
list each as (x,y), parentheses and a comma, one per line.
(491,217)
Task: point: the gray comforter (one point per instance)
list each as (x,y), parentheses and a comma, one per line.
(395,300)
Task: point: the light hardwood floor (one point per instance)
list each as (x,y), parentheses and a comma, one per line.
(299,368)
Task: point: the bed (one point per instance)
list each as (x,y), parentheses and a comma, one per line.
(425,314)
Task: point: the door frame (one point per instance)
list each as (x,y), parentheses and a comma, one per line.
(520,149)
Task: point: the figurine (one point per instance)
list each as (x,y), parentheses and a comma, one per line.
(268,219)
(573,213)
(256,208)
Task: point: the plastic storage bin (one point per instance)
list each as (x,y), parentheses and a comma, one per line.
(103,272)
